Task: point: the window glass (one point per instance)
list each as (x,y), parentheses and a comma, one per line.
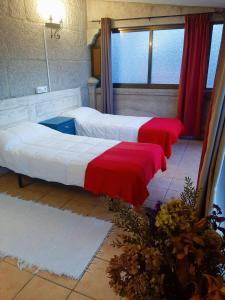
(167,50)
(130,57)
(214,53)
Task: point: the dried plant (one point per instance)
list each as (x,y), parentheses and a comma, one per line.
(168,253)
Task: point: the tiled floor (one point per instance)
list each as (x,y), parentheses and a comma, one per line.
(28,285)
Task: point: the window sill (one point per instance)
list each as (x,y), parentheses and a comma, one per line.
(145,86)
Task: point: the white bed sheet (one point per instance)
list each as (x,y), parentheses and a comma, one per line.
(92,123)
(40,152)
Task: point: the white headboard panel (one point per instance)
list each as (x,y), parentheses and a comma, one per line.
(37,108)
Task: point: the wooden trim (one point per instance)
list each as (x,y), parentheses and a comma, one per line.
(210,46)
(209,51)
(150,57)
(94,62)
(147,28)
(145,86)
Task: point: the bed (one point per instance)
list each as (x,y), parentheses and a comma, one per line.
(103,167)
(161,131)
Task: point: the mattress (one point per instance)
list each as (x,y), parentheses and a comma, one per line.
(92,123)
(40,152)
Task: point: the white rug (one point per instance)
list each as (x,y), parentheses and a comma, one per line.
(51,239)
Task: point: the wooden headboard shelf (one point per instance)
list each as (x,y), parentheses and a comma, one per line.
(36,108)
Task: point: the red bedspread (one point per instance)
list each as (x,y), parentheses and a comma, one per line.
(161,131)
(124,171)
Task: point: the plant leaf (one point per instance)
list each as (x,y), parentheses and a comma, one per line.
(198,240)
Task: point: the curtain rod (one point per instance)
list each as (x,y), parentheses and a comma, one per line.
(155,17)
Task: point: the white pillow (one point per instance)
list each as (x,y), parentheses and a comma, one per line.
(82,113)
(27,131)
(7,139)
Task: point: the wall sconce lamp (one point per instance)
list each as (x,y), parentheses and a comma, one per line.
(55,28)
(53,12)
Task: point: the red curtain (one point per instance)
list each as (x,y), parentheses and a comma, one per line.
(193,73)
(106,67)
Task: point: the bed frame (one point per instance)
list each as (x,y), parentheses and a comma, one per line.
(22,185)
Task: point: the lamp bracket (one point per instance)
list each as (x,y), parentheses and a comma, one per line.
(55,28)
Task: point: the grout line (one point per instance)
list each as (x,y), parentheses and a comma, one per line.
(80,293)
(34,274)
(165,196)
(171,179)
(105,260)
(56,283)
(64,204)
(77,283)
(23,286)
(67,297)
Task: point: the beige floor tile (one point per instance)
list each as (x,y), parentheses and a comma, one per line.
(41,289)
(3,171)
(76,296)
(11,280)
(40,186)
(14,262)
(95,282)
(172,194)
(81,203)
(9,177)
(61,280)
(159,183)
(9,184)
(27,194)
(56,198)
(10,260)
(156,194)
(101,209)
(177,184)
(11,189)
(107,251)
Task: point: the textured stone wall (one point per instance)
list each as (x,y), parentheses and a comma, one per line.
(97,9)
(143,102)
(22,52)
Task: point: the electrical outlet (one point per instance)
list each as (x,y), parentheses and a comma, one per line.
(41,89)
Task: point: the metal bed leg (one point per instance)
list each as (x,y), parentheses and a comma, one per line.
(110,204)
(20,180)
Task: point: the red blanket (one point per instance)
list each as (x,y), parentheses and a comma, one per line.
(161,131)
(124,171)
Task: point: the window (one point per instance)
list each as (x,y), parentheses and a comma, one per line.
(147,57)
(130,57)
(167,50)
(214,53)
(151,57)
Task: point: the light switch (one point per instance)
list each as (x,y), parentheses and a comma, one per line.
(41,89)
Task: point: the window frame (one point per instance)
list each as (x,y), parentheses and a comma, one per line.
(150,29)
(207,89)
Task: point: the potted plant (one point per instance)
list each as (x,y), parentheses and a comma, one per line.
(168,252)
